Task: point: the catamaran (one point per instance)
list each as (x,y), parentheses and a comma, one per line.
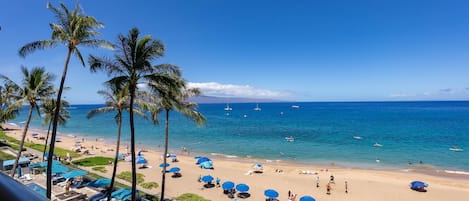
(228,108)
(257,108)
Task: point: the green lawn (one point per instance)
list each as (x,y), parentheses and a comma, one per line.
(149,185)
(127,176)
(93,161)
(14,144)
(99,169)
(4,156)
(191,197)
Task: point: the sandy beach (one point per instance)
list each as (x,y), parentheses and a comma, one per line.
(363,184)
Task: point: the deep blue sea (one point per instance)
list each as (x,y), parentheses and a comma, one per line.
(323,132)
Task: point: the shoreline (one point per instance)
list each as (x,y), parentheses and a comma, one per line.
(426,169)
(387,185)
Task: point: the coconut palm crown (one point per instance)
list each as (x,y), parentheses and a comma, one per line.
(72,29)
(36,85)
(131,65)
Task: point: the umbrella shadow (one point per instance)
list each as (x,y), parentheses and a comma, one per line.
(244,195)
(209,185)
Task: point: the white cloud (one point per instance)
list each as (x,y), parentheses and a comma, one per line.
(231,90)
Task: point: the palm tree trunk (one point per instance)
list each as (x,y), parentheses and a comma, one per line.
(18,155)
(119,124)
(54,126)
(47,139)
(163,177)
(132,88)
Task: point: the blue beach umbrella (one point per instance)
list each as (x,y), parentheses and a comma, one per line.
(418,184)
(141,160)
(175,169)
(227,185)
(207,165)
(307,198)
(203,159)
(59,169)
(271,193)
(242,188)
(74,173)
(207,178)
(99,182)
(164,164)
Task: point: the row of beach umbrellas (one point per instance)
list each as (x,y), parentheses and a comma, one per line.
(269,193)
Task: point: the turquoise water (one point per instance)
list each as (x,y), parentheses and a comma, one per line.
(323,132)
(38,189)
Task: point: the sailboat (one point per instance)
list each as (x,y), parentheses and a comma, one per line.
(257,108)
(228,108)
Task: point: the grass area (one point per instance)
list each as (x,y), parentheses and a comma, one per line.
(4,156)
(100,169)
(14,144)
(127,176)
(93,161)
(149,185)
(191,197)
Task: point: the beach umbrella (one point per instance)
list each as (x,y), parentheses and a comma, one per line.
(175,169)
(164,164)
(172,156)
(59,169)
(99,182)
(74,173)
(271,193)
(206,165)
(307,198)
(203,159)
(141,160)
(257,166)
(44,164)
(207,178)
(242,188)
(418,184)
(227,185)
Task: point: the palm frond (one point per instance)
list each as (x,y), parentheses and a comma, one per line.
(78,54)
(37,45)
(101,110)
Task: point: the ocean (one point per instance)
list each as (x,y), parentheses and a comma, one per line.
(323,132)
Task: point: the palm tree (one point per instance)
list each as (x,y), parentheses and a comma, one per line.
(131,65)
(117,99)
(48,109)
(72,30)
(172,94)
(9,108)
(36,85)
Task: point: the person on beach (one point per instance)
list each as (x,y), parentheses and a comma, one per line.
(67,186)
(218,182)
(346,187)
(317,182)
(328,188)
(332,180)
(289,194)
(200,178)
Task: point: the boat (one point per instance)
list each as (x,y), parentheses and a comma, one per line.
(257,108)
(290,139)
(228,108)
(295,106)
(357,137)
(377,145)
(456,148)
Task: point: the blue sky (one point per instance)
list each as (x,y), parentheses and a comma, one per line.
(289,50)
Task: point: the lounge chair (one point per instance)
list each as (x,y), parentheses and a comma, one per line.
(26,177)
